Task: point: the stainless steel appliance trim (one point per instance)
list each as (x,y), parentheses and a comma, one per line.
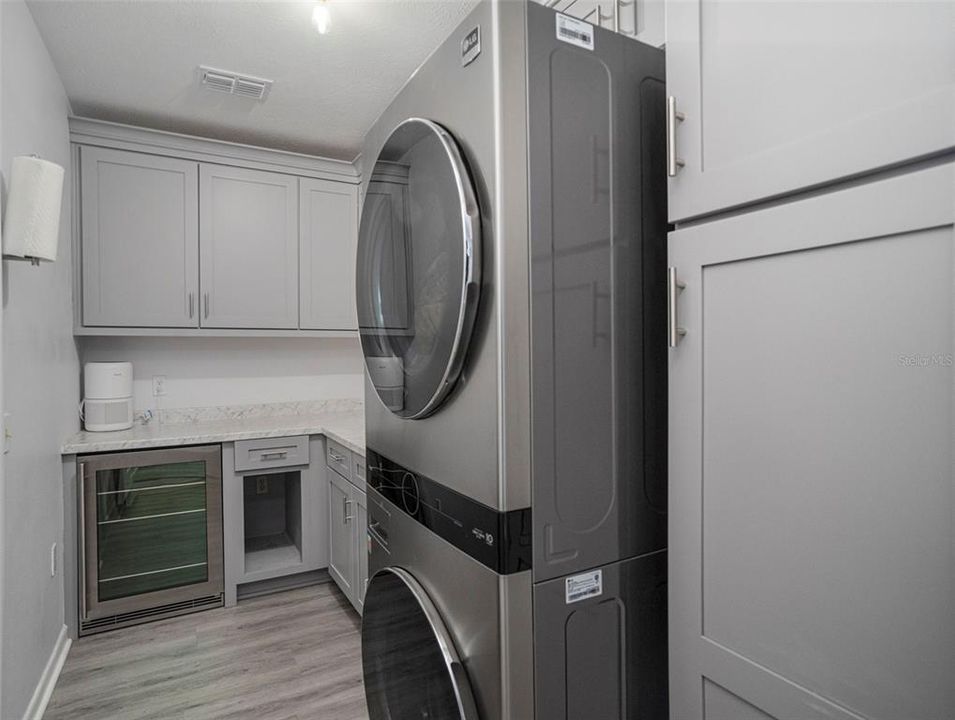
(150,517)
(212,456)
(459,678)
(471,272)
(673,116)
(81,471)
(152,572)
(148,489)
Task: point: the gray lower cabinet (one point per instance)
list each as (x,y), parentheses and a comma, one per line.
(328,213)
(781,96)
(812,481)
(347,523)
(248,248)
(275,510)
(139,234)
(341,542)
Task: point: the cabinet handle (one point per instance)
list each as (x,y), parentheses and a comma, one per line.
(277,455)
(346,515)
(192,302)
(82,567)
(674,163)
(205,303)
(335,457)
(674,287)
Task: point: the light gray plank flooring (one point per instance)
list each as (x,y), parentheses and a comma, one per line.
(290,656)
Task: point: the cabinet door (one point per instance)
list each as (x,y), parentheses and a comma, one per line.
(361,549)
(140,239)
(341,547)
(812,485)
(248,249)
(329,239)
(779,96)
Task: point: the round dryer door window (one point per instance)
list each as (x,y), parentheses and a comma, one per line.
(411,667)
(419,268)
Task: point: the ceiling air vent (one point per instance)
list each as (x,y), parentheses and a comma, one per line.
(233,83)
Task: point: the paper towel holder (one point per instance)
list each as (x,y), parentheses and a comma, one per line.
(31,222)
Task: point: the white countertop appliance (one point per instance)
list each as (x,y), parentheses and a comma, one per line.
(108,401)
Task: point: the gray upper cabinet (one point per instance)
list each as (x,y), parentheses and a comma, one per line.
(139,239)
(249,248)
(812,480)
(782,96)
(328,214)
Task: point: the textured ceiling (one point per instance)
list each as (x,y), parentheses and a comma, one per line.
(135,61)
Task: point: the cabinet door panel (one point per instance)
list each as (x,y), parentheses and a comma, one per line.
(329,239)
(341,522)
(249,248)
(787,95)
(140,230)
(812,484)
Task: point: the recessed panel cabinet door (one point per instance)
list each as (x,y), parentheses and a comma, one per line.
(341,521)
(812,484)
(329,240)
(361,548)
(249,248)
(780,96)
(140,240)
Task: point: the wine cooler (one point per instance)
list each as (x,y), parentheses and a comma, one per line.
(151,535)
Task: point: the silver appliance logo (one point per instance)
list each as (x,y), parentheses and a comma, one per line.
(471,46)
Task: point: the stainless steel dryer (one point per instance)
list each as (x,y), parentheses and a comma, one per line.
(512,310)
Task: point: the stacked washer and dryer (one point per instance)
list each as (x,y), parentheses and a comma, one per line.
(512,310)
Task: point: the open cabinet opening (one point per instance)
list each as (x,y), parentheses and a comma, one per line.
(273,520)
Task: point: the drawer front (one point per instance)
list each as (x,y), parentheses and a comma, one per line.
(358,471)
(267,453)
(338,458)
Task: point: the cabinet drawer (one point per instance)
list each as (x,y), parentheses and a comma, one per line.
(358,471)
(338,458)
(267,453)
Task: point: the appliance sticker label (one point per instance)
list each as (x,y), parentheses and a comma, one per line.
(471,46)
(575,32)
(583,586)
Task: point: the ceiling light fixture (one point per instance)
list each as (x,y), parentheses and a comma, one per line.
(321,18)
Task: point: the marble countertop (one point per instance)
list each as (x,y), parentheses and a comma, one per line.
(344,423)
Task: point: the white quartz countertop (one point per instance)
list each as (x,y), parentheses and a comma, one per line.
(346,426)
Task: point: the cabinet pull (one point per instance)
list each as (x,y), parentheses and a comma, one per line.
(336,457)
(346,515)
(674,287)
(276,455)
(192,302)
(205,303)
(674,163)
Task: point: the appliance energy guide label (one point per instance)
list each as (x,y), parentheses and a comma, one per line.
(583,586)
(575,32)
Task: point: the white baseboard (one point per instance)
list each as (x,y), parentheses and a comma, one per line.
(51,673)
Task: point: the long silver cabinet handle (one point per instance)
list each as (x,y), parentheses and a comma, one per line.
(192,302)
(205,300)
(674,163)
(81,467)
(674,287)
(346,514)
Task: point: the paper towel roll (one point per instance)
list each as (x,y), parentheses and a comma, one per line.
(31,222)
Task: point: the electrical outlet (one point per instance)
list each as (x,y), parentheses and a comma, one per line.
(53,560)
(261,486)
(159,385)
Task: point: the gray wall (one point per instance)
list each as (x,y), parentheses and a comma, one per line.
(40,372)
(204,372)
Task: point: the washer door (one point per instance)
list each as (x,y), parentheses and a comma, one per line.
(411,667)
(419,268)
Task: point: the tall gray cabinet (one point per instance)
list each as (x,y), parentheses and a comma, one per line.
(811,379)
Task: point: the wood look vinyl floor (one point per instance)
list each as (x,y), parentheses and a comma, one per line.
(290,656)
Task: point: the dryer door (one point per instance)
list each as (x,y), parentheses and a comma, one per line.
(419,268)
(411,667)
